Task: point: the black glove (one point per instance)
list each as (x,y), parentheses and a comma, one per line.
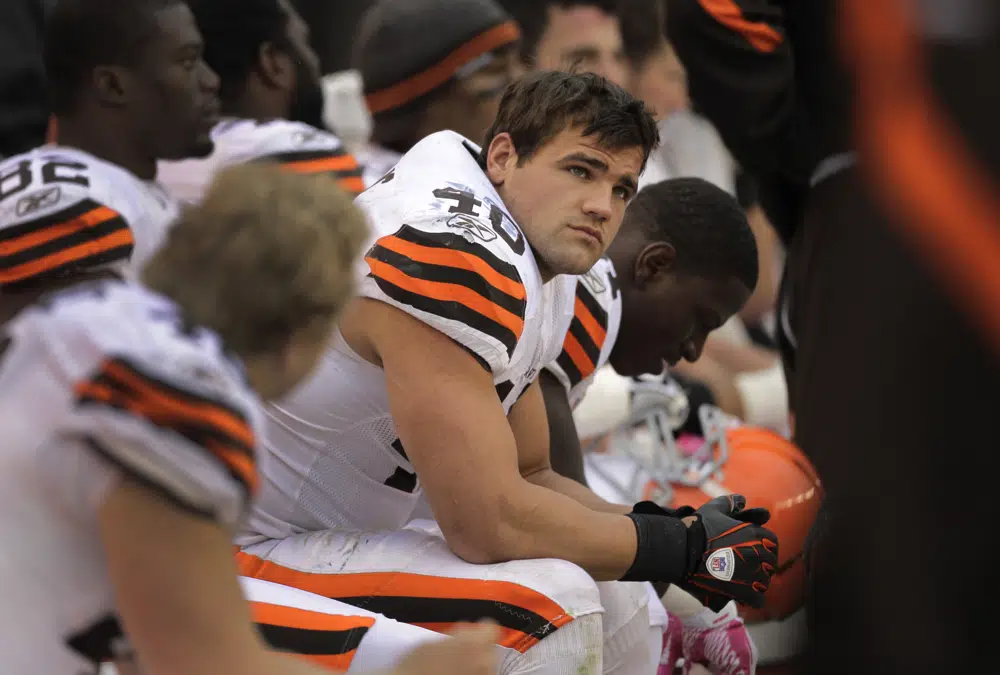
(739,555)
(654,509)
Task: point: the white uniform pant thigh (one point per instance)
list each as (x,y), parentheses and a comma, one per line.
(549,611)
(328,632)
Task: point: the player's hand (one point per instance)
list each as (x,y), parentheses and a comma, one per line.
(720,642)
(740,554)
(471,649)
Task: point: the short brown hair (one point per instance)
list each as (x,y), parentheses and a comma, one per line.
(267,253)
(540,105)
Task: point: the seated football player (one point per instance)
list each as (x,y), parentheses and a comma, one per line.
(429,393)
(131,420)
(683,262)
(429,66)
(128,86)
(272,98)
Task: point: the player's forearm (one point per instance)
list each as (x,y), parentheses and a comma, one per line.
(548,478)
(538,522)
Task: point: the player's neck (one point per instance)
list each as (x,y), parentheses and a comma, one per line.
(105,144)
(255,107)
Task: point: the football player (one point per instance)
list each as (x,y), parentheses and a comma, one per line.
(272,99)
(427,66)
(128,86)
(684,261)
(430,394)
(130,426)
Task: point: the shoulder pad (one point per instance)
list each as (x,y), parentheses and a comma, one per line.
(455,274)
(58,212)
(297,147)
(157,398)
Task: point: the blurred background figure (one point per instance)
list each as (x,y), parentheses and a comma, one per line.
(428,66)
(24,109)
(582,35)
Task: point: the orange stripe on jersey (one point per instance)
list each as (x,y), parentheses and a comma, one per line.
(294,617)
(457,259)
(594,329)
(574,350)
(207,423)
(761,36)
(323,165)
(95,216)
(418,599)
(83,234)
(342,166)
(121,240)
(352,184)
(447,292)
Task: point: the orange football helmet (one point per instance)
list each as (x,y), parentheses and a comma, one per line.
(768,469)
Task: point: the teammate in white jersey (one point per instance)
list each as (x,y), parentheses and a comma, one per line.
(272,98)
(130,432)
(430,392)
(684,261)
(128,87)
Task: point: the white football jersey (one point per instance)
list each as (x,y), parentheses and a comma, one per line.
(293,145)
(62,209)
(597,317)
(448,253)
(376,162)
(100,381)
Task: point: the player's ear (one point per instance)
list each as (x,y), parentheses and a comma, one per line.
(501,158)
(112,84)
(654,263)
(275,67)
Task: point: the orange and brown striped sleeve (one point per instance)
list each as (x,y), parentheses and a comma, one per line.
(177,438)
(585,339)
(335,162)
(444,276)
(84,235)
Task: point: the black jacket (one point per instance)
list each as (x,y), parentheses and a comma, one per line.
(768,76)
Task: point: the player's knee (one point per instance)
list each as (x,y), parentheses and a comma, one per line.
(564,583)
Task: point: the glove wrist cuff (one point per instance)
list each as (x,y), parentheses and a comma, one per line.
(664,549)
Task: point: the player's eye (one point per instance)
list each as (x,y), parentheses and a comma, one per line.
(622,193)
(579,172)
(189,63)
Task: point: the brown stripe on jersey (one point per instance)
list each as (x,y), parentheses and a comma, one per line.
(435,602)
(585,339)
(444,274)
(204,420)
(84,235)
(569,367)
(453,241)
(594,317)
(328,640)
(339,163)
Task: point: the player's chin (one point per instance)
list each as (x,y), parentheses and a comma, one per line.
(576,260)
